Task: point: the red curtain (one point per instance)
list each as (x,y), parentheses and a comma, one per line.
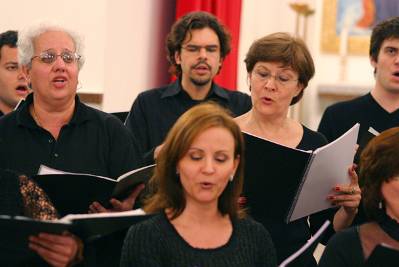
(229,13)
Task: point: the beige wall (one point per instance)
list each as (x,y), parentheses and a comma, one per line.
(124,48)
(81,16)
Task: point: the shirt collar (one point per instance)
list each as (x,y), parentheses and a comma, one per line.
(24,117)
(175,88)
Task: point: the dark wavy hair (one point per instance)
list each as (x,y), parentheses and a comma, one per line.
(166,191)
(187,23)
(283,48)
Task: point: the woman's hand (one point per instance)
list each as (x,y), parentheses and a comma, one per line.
(348,198)
(117,206)
(57,250)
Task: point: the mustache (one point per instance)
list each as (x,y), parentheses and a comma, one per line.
(202,62)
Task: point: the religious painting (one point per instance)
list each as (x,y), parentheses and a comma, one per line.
(347,24)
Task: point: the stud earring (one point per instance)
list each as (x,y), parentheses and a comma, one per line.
(380,205)
(231,177)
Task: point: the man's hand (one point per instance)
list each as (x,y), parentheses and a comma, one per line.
(117,206)
(56,250)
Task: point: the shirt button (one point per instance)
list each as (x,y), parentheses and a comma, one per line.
(56,155)
(50,141)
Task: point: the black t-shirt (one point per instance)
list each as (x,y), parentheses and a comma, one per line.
(340,117)
(155,111)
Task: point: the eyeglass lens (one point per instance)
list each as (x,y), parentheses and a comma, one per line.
(50,56)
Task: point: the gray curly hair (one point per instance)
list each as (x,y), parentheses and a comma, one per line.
(27,37)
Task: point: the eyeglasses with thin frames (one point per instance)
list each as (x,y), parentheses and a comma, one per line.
(49,57)
(281,79)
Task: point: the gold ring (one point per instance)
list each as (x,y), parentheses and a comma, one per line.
(352,192)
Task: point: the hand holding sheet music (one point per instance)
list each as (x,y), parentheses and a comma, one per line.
(75,192)
(15,231)
(328,170)
(346,196)
(297,182)
(57,250)
(118,205)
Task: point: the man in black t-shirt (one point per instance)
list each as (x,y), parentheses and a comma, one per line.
(378,109)
(197,46)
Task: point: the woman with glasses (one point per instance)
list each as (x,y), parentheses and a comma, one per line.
(379,173)
(52,127)
(279,68)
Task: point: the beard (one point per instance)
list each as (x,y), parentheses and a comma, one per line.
(200,82)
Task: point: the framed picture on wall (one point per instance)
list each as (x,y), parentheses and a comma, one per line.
(352,21)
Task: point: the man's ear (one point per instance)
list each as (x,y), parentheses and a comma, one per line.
(177,57)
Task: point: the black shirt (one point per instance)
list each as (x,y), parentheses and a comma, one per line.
(340,117)
(92,142)
(344,249)
(288,238)
(155,111)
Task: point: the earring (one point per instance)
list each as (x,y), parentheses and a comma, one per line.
(231,177)
(380,205)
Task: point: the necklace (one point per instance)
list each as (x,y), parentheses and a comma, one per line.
(35,117)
